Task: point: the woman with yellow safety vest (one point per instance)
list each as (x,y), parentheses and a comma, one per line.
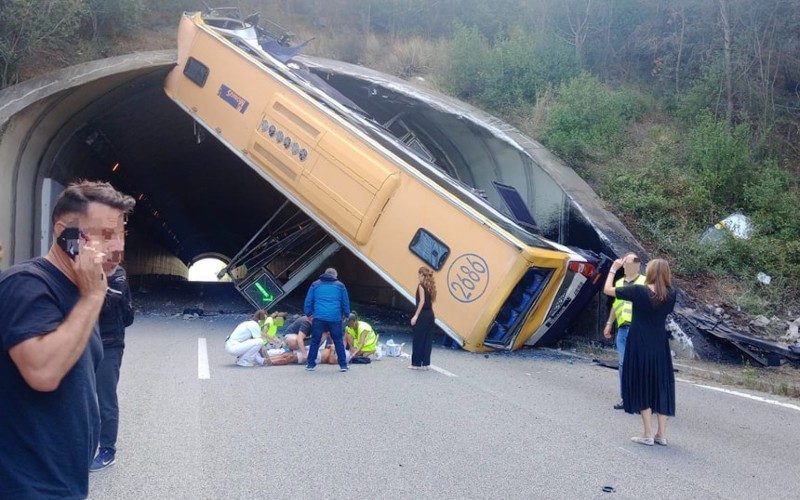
(360,336)
(269,329)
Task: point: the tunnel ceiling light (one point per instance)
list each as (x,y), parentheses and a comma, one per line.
(115,167)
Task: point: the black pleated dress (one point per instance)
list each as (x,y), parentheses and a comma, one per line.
(423,333)
(648,380)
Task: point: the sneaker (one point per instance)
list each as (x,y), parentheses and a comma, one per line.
(660,440)
(105,458)
(310,368)
(642,440)
(343,368)
(619,406)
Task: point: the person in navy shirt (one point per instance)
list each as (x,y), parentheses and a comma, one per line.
(50,347)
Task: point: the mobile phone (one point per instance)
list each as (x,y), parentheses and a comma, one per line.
(69,241)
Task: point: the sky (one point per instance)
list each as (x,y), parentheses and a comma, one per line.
(205,269)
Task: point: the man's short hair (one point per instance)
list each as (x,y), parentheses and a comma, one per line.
(635,257)
(76,198)
(331,271)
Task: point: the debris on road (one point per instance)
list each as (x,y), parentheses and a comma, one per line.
(737,225)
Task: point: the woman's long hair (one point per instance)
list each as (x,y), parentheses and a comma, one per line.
(427,283)
(659,275)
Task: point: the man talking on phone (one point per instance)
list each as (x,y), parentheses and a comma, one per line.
(50,346)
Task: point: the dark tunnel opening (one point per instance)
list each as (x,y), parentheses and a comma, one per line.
(194,196)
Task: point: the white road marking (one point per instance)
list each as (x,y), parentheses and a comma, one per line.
(203,373)
(433,367)
(742,395)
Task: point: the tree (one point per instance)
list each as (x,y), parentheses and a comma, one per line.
(27,25)
(727,32)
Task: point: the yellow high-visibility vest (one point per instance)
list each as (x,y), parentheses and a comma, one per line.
(623,309)
(270,325)
(370,338)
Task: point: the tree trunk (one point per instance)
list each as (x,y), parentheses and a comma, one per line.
(725,18)
(680,52)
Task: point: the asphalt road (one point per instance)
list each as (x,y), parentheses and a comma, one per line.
(533,425)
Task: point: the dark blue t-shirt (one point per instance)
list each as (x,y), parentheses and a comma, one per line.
(47,439)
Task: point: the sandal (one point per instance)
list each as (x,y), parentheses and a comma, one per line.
(643,440)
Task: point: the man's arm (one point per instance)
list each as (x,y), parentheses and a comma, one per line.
(43,361)
(609,325)
(308,306)
(345,302)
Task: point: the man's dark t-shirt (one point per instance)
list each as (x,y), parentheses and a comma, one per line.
(47,439)
(301,324)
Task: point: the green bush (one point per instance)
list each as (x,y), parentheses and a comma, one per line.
(721,157)
(468,69)
(508,73)
(588,119)
(111,17)
(774,201)
(28,25)
(703,97)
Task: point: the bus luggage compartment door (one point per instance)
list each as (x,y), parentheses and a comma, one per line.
(349,185)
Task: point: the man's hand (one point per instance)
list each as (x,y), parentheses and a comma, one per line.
(607,331)
(413,321)
(88,267)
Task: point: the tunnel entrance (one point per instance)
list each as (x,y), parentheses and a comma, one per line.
(205,270)
(195,197)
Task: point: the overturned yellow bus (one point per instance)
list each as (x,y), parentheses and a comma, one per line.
(500,285)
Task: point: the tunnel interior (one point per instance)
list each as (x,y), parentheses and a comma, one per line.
(193,195)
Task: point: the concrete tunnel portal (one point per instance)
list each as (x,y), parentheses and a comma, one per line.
(110,120)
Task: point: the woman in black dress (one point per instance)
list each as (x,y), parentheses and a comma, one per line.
(648,382)
(422,321)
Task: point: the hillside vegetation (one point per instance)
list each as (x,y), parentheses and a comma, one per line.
(678,112)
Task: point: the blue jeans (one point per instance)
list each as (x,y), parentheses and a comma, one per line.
(107,376)
(318,327)
(622,339)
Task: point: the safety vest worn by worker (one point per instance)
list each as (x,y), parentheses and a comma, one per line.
(623,309)
(363,333)
(270,326)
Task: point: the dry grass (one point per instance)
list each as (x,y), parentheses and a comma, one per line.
(408,57)
(781,380)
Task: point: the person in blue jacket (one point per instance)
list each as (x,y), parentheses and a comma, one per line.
(327,302)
